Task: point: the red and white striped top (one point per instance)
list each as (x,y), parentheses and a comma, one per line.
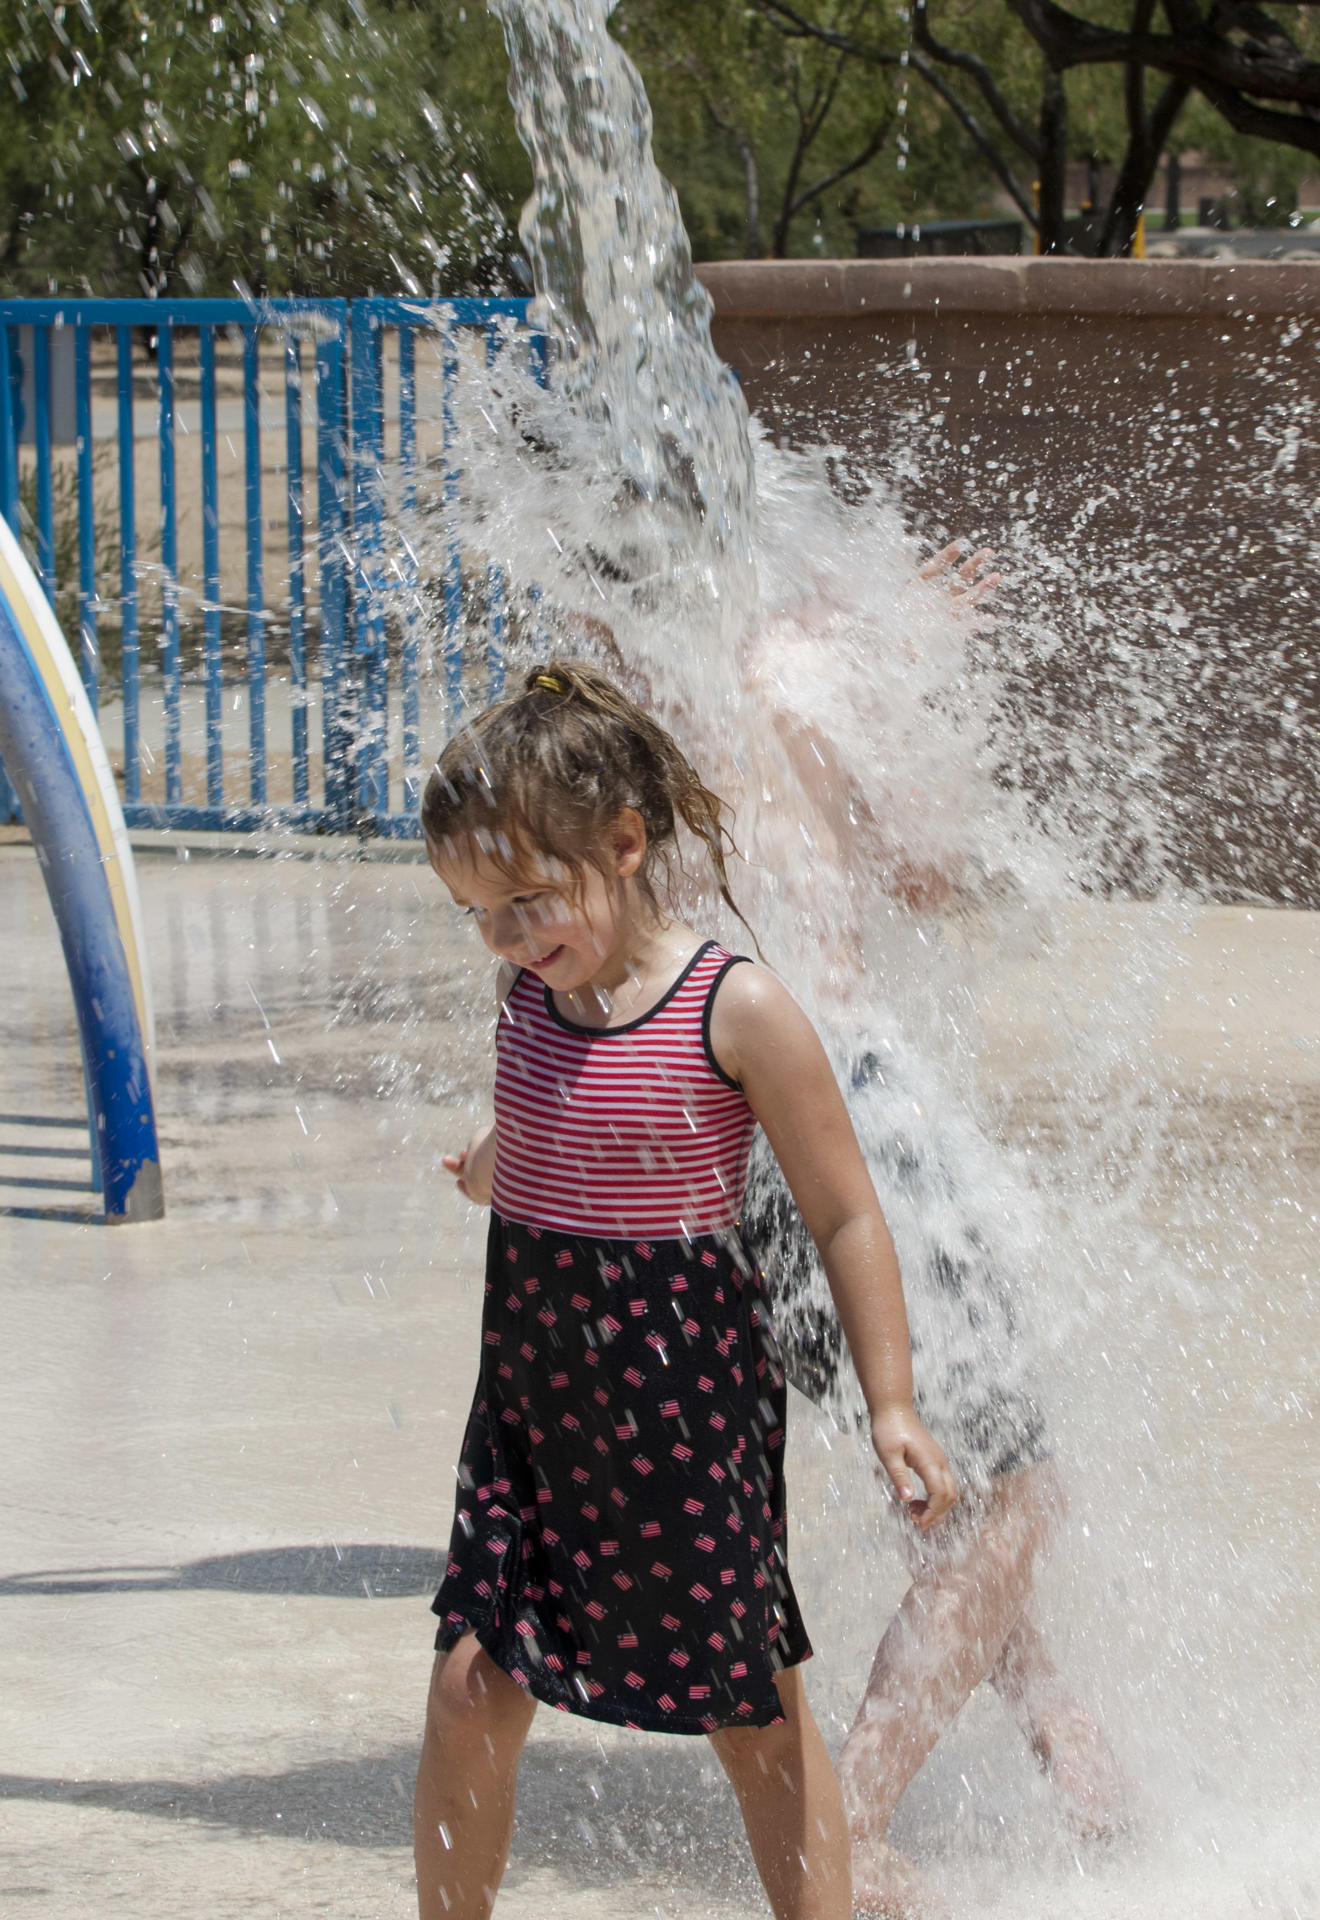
(619,1131)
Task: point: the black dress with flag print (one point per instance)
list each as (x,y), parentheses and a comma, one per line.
(618,1545)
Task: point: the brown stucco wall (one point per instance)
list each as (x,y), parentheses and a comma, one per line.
(1140,441)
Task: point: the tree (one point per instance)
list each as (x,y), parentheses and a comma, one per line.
(286,148)
(770,139)
(1251,63)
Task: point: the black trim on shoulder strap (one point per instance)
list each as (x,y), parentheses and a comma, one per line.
(734,960)
(627,1026)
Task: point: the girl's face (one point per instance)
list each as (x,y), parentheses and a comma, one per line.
(568,939)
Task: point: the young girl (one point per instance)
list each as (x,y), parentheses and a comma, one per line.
(618,1548)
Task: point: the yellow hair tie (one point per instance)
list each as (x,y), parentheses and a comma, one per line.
(551,682)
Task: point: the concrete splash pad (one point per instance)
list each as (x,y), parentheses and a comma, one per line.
(229,1437)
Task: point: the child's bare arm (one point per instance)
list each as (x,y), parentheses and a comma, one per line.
(916,884)
(762,1039)
(473,1167)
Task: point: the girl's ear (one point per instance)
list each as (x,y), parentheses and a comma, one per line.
(628,842)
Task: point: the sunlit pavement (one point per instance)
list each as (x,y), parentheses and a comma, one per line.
(227,1439)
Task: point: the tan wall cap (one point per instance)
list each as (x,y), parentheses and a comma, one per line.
(802,289)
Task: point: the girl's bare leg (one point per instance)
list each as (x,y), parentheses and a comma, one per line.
(1065,1739)
(792,1809)
(946,1637)
(476,1722)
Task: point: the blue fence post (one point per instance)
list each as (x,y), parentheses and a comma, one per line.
(169,567)
(496,594)
(410,693)
(297,582)
(87,635)
(338,718)
(128,582)
(453,573)
(45,474)
(11,400)
(367,402)
(256,613)
(212,658)
(537,359)
(8,500)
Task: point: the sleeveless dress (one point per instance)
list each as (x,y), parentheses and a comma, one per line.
(618,1542)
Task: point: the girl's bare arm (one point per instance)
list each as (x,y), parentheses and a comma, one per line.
(762,1039)
(474,1167)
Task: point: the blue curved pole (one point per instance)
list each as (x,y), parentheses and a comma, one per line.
(53,754)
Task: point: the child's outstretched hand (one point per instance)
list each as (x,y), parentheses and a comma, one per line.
(473,1167)
(969,579)
(908,1454)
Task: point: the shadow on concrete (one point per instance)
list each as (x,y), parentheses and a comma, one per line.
(644,1811)
(61,1216)
(41,1153)
(44,1182)
(57,1211)
(356,1572)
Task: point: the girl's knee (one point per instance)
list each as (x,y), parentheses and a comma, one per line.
(749,1752)
(470,1695)
(1033,1500)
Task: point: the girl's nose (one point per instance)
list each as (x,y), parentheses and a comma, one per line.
(507,932)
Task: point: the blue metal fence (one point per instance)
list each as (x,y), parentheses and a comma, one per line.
(342,595)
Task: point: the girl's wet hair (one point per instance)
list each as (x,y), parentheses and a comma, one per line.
(543,774)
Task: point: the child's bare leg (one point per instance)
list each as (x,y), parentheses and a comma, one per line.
(792,1809)
(946,1636)
(1063,1736)
(476,1722)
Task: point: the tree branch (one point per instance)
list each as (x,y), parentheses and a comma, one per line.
(1288,129)
(1128,197)
(868,152)
(1054,163)
(1133,184)
(1274,71)
(796,26)
(968,121)
(751,177)
(1020,134)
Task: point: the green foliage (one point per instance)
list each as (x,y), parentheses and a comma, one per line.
(735,98)
(343,146)
(66,552)
(188,145)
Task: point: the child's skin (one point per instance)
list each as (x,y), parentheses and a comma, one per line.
(966,1617)
(608,953)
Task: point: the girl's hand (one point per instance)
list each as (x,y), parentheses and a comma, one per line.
(967,580)
(905,1448)
(473,1167)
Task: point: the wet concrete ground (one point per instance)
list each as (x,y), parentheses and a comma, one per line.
(227,1439)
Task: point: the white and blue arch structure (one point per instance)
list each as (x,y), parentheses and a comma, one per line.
(53,755)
